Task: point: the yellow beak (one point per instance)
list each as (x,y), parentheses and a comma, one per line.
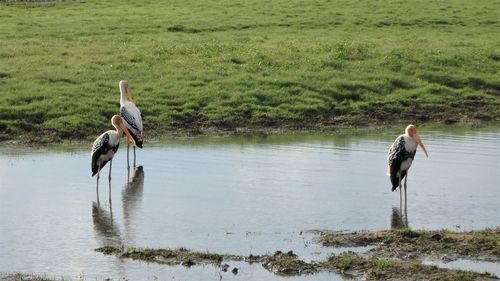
(421,144)
(127,133)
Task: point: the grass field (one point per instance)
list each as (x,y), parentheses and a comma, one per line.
(196,65)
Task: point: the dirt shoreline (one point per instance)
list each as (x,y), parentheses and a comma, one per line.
(50,137)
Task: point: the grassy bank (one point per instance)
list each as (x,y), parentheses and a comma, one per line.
(221,65)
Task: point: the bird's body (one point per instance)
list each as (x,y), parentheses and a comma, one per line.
(104,149)
(133,120)
(401,155)
(131,115)
(106,145)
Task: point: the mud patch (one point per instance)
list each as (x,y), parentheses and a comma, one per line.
(179,256)
(22,277)
(287,264)
(392,269)
(360,266)
(413,244)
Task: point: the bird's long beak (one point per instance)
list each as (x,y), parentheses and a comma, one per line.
(127,133)
(419,141)
(129,95)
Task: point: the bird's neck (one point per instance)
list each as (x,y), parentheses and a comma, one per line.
(123,96)
(119,131)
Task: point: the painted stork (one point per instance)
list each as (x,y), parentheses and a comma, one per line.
(132,117)
(400,156)
(106,145)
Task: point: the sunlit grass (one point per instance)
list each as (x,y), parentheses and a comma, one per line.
(227,64)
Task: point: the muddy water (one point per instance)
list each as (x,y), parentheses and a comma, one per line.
(234,195)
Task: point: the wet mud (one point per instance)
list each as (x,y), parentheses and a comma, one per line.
(179,256)
(417,244)
(397,255)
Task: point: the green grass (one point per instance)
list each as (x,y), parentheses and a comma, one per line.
(164,256)
(394,269)
(254,64)
(482,243)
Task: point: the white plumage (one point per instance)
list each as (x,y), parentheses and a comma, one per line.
(106,145)
(131,116)
(401,155)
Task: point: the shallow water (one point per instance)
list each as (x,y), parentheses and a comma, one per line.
(233,195)
(464,264)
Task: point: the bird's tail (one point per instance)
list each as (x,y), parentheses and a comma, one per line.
(395,179)
(94,168)
(138,139)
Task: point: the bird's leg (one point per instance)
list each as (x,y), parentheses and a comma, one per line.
(128,173)
(128,146)
(400,191)
(405,216)
(406,178)
(110,164)
(97,185)
(134,155)
(109,195)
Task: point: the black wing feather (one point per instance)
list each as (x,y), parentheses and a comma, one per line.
(100,147)
(131,125)
(129,119)
(396,157)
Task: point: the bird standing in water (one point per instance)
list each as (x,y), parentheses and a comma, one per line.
(106,145)
(132,117)
(400,156)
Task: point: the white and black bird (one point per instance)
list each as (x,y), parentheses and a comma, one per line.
(106,145)
(401,155)
(132,117)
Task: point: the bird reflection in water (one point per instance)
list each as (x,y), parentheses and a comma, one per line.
(399,217)
(105,228)
(131,200)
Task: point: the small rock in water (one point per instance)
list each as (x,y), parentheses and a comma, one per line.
(251,258)
(445,258)
(225,267)
(188,263)
(235,271)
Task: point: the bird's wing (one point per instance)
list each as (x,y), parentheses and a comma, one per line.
(132,117)
(133,121)
(99,148)
(396,150)
(395,158)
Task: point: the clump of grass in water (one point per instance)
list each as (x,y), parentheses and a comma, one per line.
(287,264)
(393,269)
(344,262)
(484,243)
(181,256)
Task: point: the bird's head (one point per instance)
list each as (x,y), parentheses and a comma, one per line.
(124,90)
(117,121)
(411,131)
